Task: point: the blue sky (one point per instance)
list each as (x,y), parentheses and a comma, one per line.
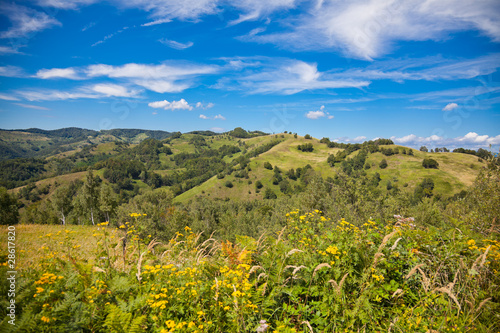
(419,72)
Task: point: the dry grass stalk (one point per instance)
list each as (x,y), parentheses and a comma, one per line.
(279,236)
(385,240)
(375,259)
(151,244)
(396,243)
(320,266)
(485,255)
(297,269)
(413,270)
(338,286)
(100,270)
(481,304)
(397,292)
(425,280)
(450,294)
(260,238)
(289,266)
(292,251)
(264,286)
(261,275)
(254,269)
(308,325)
(203,244)
(216,289)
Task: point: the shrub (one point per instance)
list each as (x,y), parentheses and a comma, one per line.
(429,163)
(268,165)
(258,185)
(307,137)
(383,164)
(228,184)
(269,194)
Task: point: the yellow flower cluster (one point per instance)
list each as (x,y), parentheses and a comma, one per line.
(234,283)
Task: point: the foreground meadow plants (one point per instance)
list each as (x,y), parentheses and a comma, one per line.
(316,275)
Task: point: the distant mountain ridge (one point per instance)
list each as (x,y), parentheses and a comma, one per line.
(36,142)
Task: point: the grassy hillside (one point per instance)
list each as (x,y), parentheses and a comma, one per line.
(456,171)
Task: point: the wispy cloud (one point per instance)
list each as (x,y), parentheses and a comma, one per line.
(9,50)
(28,106)
(88,26)
(109,36)
(67,73)
(114,90)
(11,71)
(287,77)
(255,9)
(8,97)
(156,22)
(25,21)
(367,29)
(176,45)
(65,4)
(182,104)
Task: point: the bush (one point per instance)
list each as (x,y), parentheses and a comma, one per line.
(429,163)
(306,147)
(268,165)
(269,194)
(383,164)
(307,137)
(228,184)
(258,185)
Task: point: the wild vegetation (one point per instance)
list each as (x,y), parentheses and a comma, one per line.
(249,232)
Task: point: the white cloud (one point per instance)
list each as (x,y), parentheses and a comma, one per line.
(25,21)
(163,71)
(200,105)
(174,9)
(109,36)
(359,138)
(65,4)
(255,9)
(8,97)
(156,22)
(367,29)
(11,71)
(217,129)
(174,77)
(287,77)
(8,50)
(113,90)
(318,114)
(68,73)
(28,106)
(470,140)
(162,86)
(176,45)
(55,95)
(450,106)
(315,114)
(219,116)
(182,104)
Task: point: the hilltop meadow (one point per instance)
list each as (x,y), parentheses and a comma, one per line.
(129,230)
